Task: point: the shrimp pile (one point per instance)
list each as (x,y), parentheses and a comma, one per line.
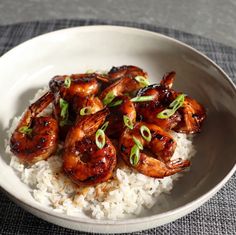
(99,118)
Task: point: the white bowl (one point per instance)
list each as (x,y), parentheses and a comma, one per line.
(30,65)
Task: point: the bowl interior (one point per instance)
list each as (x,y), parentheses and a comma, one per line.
(31,65)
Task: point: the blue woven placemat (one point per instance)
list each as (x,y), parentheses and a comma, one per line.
(217,216)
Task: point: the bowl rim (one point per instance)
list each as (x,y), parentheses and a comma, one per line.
(187,207)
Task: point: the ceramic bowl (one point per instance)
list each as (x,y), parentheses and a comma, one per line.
(30,65)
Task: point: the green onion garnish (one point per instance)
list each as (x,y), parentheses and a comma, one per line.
(142,98)
(85,111)
(115,103)
(108,98)
(142,81)
(64,108)
(104,126)
(67,82)
(138,143)
(128,122)
(166,113)
(134,155)
(178,102)
(25,130)
(100,138)
(64,111)
(145,132)
(174,105)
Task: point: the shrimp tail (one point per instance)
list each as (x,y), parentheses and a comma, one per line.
(168,80)
(36,108)
(89,124)
(176,166)
(178,163)
(85,126)
(41,104)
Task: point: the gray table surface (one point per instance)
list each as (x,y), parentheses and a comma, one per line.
(215,19)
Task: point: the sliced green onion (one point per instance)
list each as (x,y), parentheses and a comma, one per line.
(108,98)
(166,113)
(100,138)
(25,130)
(115,103)
(142,81)
(178,102)
(142,98)
(67,82)
(145,132)
(64,108)
(128,122)
(174,105)
(64,111)
(138,143)
(85,111)
(104,126)
(134,155)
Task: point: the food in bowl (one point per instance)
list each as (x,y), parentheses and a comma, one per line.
(105,145)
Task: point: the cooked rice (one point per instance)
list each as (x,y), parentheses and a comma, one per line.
(126,195)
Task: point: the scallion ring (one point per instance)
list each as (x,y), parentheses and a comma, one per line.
(178,102)
(100,139)
(128,122)
(25,130)
(104,126)
(166,113)
(174,105)
(108,98)
(85,111)
(115,103)
(142,98)
(146,133)
(134,155)
(67,82)
(142,81)
(138,143)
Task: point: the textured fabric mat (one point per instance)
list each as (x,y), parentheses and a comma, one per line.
(217,216)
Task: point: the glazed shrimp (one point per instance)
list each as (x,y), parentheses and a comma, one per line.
(187,119)
(83,161)
(74,92)
(78,108)
(192,117)
(125,82)
(35,138)
(148,111)
(117,73)
(81,85)
(116,117)
(155,158)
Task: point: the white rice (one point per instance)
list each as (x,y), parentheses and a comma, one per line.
(127,195)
